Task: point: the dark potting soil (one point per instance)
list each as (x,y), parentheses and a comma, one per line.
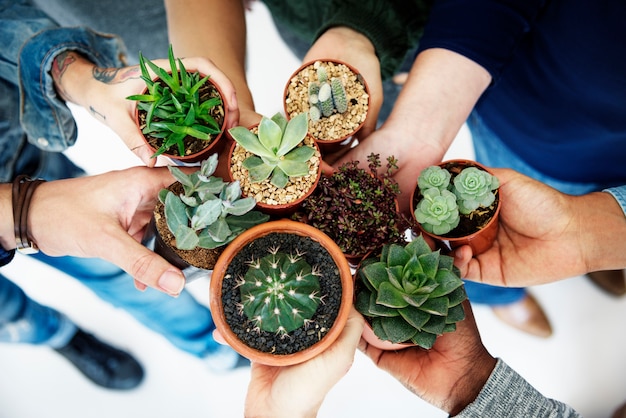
(324,317)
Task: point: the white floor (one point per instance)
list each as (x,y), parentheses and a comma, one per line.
(583,363)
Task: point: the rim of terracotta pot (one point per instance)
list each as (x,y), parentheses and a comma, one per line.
(282,210)
(215,144)
(331,145)
(215,297)
(481,240)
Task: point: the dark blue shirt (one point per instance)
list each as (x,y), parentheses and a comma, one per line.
(558,97)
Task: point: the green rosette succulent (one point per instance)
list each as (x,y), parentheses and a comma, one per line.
(410,294)
(434,177)
(275,148)
(280,292)
(474,188)
(437,211)
(210,212)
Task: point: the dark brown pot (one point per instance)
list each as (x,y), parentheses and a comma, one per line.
(210,147)
(299,80)
(479,241)
(231,324)
(275,211)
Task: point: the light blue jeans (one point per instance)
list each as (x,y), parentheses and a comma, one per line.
(492,152)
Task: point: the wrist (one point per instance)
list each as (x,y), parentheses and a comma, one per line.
(72,74)
(469,385)
(7,236)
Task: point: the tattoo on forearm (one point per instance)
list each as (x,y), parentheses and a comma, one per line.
(97,114)
(59,66)
(115,75)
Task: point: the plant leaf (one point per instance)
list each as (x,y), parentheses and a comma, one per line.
(301,154)
(206,214)
(397,329)
(294,168)
(390,296)
(175,212)
(279,178)
(249,141)
(186,238)
(295,132)
(270,135)
(257,169)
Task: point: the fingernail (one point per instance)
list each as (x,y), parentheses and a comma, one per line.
(172,282)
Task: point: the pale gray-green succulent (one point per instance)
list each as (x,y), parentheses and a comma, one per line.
(280,292)
(210,212)
(326,96)
(275,148)
(410,294)
(474,188)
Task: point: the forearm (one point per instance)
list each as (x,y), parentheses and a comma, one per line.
(7,235)
(72,74)
(215,29)
(601,223)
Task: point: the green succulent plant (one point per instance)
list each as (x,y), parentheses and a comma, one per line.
(446,197)
(410,294)
(326,96)
(280,291)
(174,107)
(275,148)
(474,188)
(210,212)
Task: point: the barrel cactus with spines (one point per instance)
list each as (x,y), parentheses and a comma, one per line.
(280,292)
(410,294)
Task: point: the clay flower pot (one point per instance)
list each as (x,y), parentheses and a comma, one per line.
(336,130)
(481,237)
(196,149)
(276,202)
(245,334)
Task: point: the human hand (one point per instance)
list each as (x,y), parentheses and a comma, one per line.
(450,375)
(349,46)
(105,216)
(545,235)
(298,391)
(103,91)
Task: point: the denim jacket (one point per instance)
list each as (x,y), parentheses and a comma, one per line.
(30,109)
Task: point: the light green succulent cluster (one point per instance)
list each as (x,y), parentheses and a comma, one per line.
(410,294)
(275,148)
(210,212)
(444,198)
(280,292)
(326,96)
(173,106)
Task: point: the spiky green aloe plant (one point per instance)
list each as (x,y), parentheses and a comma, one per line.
(173,106)
(410,294)
(275,148)
(210,212)
(280,291)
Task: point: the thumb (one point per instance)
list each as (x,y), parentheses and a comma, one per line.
(145,266)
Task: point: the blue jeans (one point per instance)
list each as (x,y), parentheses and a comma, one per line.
(492,152)
(183,321)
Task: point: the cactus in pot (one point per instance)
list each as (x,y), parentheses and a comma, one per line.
(410,293)
(280,291)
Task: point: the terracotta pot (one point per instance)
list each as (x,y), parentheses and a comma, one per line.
(246,242)
(299,80)
(479,241)
(214,146)
(275,211)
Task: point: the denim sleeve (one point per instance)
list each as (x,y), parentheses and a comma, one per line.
(507,394)
(619,193)
(31,41)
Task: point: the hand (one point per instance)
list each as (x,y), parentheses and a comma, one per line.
(545,235)
(103,92)
(450,375)
(105,216)
(298,391)
(349,46)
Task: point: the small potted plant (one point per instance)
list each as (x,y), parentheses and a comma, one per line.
(335,96)
(276,162)
(357,208)
(197,216)
(456,203)
(408,295)
(181,114)
(281,293)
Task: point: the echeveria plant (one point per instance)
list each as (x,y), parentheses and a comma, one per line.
(174,108)
(210,212)
(280,292)
(410,294)
(275,148)
(445,198)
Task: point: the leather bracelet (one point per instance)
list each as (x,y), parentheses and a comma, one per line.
(22,192)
